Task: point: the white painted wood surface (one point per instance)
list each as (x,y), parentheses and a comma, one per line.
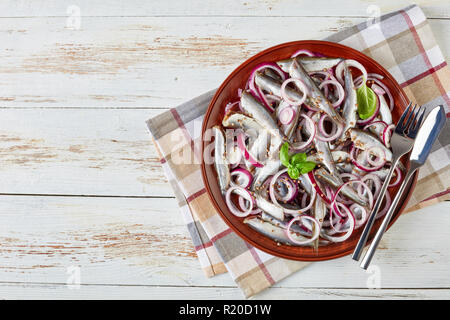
(80,182)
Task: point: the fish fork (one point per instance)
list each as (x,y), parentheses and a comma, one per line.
(402,141)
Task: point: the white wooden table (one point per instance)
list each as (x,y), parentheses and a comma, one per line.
(81,189)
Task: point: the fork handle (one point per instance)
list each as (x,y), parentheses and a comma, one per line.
(387,218)
(365,234)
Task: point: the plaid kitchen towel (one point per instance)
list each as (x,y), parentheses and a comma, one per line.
(403,43)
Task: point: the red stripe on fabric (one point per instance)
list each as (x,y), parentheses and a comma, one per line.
(437,195)
(261,265)
(203,246)
(425,57)
(423,75)
(196,195)
(180,123)
(221,235)
(162,160)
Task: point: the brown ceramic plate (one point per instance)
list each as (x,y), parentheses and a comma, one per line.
(228,92)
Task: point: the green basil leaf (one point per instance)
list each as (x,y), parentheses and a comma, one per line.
(306,167)
(367,102)
(293,172)
(298,158)
(284,154)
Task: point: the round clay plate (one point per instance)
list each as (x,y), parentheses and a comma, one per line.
(228,91)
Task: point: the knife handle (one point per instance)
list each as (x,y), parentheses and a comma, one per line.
(387,218)
(368,227)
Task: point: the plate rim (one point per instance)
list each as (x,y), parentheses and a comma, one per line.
(408,190)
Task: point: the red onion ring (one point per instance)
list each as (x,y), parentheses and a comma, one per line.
(303,52)
(275,201)
(339,88)
(301,85)
(298,218)
(348,233)
(381,156)
(350,63)
(243,193)
(398,174)
(359,165)
(244,206)
(230,106)
(286,115)
(242,173)
(305,144)
(364,214)
(256,91)
(328,137)
(290,185)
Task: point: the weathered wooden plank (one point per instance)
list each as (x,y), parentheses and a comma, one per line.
(141,61)
(91,8)
(144,242)
(58,292)
(79,152)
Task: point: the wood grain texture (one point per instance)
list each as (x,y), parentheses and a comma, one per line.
(141,61)
(60,291)
(42,236)
(298,8)
(79,152)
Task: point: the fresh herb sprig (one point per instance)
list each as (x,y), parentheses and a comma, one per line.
(296,164)
(367,101)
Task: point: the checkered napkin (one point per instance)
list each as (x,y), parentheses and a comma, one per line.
(400,41)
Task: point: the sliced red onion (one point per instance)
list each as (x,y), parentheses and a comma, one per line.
(336,133)
(230,106)
(286,115)
(339,88)
(359,182)
(350,63)
(352,223)
(359,165)
(378,90)
(304,52)
(312,126)
(245,152)
(256,91)
(398,174)
(380,154)
(272,98)
(275,201)
(243,193)
(298,218)
(377,184)
(377,80)
(364,215)
(387,204)
(243,203)
(386,136)
(317,188)
(350,176)
(375,123)
(243,178)
(302,87)
(292,188)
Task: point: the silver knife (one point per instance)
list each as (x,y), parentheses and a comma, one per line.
(427,135)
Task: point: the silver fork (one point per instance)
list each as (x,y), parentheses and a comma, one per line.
(423,141)
(402,141)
